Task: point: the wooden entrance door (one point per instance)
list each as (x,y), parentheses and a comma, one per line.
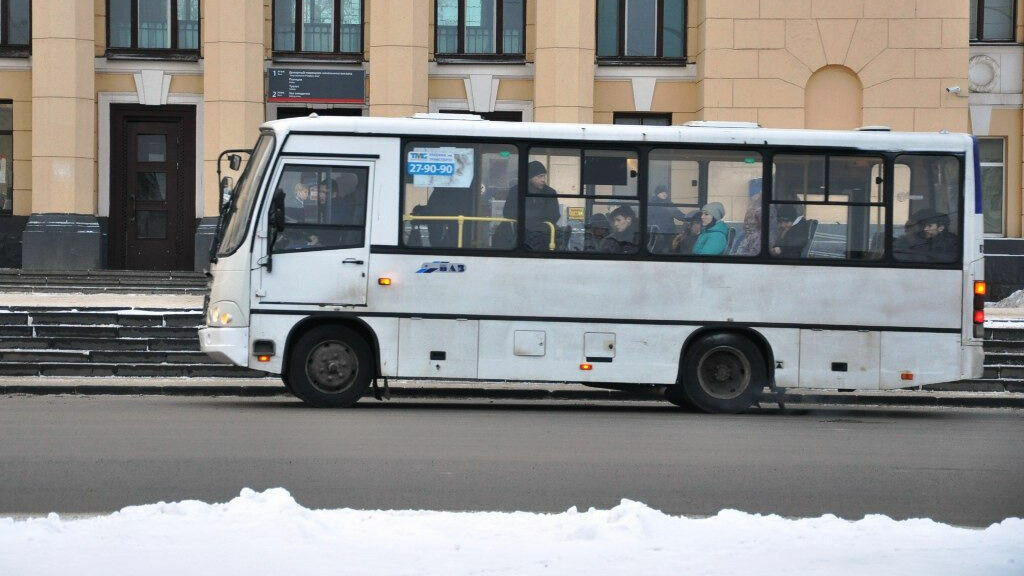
(152,188)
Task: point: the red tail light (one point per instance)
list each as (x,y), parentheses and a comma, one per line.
(979,316)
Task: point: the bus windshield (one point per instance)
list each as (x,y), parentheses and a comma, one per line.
(236,215)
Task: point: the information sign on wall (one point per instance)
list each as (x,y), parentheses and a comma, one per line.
(316,86)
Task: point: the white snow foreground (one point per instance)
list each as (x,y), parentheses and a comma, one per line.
(269,533)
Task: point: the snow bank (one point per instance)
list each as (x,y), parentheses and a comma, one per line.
(269,533)
(1015,300)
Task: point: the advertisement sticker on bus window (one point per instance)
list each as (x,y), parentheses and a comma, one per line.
(576,213)
(440,167)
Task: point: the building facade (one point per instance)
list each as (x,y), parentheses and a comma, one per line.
(113,112)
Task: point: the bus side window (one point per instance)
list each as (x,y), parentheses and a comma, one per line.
(827,207)
(459,196)
(926,215)
(325,207)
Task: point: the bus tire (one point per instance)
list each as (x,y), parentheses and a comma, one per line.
(330,367)
(723,373)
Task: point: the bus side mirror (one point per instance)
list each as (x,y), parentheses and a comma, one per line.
(227,185)
(277,211)
(234,161)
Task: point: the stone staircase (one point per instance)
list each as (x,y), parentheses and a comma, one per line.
(106,342)
(1004,360)
(103,281)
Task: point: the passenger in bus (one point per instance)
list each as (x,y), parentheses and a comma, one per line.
(912,246)
(714,235)
(793,233)
(684,242)
(597,232)
(661,214)
(750,243)
(941,244)
(623,239)
(541,207)
(344,206)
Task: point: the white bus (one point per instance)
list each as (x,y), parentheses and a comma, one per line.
(711,260)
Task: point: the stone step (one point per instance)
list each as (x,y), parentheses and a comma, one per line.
(109,318)
(104,356)
(13,319)
(1004,359)
(86,369)
(1005,334)
(995,384)
(1004,346)
(6,331)
(1003,371)
(106,331)
(80,289)
(106,344)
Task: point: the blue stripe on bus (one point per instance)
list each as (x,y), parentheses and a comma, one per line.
(977,177)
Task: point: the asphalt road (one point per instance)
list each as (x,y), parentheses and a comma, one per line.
(97,454)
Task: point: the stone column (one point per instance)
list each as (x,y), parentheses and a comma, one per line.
(63,232)
(233,99)
(399,50)
(564,61)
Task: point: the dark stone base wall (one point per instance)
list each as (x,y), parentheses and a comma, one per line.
(206,230)
(11,229)
(63,242)
(1004,267)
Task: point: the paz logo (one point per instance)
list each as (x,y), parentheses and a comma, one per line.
(431,267)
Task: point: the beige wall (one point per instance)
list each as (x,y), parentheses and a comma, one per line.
(564,57)
(1006,123)
(756,57)
(399,47)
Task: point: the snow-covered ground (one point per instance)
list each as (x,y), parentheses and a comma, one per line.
(269,533)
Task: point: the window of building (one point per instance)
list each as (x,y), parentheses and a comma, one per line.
(993,182)
(460,196)
(324,207)
(6,157)
(993,20)
(318,27)
(641,30)
(496,116)
(704,202)
(151,26)
(15,27)
(478,28)
(582,201)
(642,119)
(827,206)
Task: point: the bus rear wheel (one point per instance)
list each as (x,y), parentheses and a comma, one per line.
(722,373)
(330,367)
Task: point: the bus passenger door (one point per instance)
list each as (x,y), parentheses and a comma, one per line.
(321,255)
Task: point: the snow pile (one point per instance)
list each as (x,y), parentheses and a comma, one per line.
(1015,300)
(269,533)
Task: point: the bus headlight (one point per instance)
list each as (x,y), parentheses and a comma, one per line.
(223,313)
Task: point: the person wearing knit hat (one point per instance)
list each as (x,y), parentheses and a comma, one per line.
(541,207)
(714,236)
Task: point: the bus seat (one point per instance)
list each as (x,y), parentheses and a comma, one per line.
(730,240)
(812,227)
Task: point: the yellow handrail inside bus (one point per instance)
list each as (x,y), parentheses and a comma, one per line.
(462,220)
(551,244)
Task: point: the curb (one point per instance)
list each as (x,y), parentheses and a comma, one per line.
(925,399)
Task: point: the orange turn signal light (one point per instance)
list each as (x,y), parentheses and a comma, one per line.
(263,358)
(907,376)
(980,288)
(979,316)
(384,281)
(586,367)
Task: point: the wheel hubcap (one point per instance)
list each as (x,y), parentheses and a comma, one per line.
(332,367)
(724,373)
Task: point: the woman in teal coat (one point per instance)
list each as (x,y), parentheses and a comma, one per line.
(714,237)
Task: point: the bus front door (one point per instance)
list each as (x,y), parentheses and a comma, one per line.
(320,254)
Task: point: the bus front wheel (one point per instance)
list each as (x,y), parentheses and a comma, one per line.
(330,366)
(722,373)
